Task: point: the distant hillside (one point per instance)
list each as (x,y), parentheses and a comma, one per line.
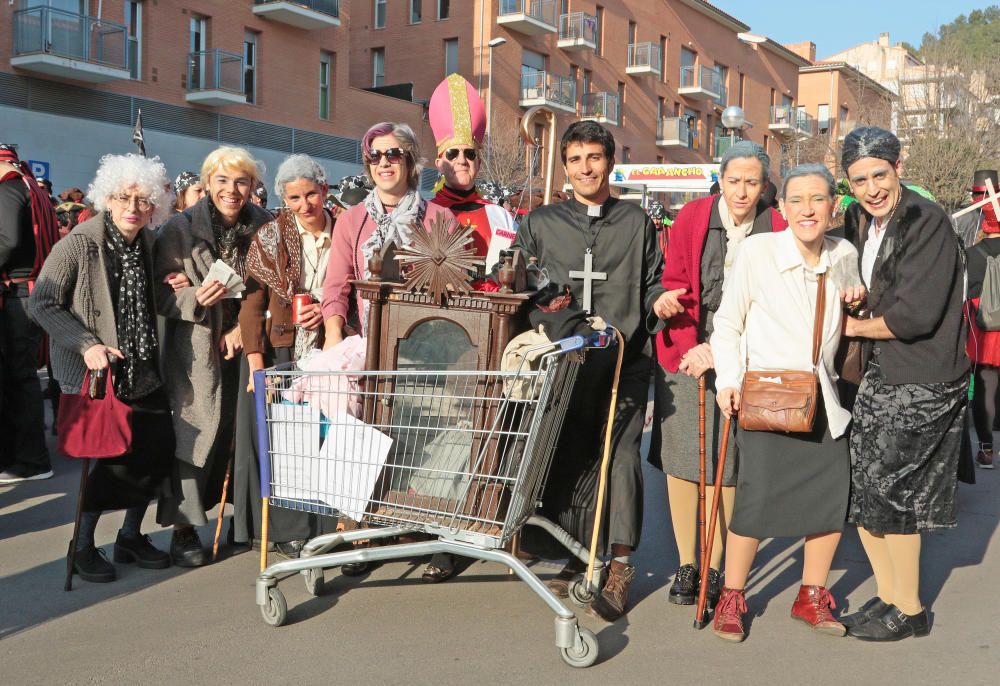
(973,37)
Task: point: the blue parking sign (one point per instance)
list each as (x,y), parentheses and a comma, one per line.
(39,169)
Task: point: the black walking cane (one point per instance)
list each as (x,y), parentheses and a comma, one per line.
(71,556)
(700,620)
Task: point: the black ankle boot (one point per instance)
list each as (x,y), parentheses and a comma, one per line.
(140,549)
(186,550)
(91,564)
(714,588)
(684,590)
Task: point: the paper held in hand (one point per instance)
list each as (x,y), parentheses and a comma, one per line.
(224,274)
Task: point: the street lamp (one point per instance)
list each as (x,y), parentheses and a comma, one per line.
(734,119)
(495,43)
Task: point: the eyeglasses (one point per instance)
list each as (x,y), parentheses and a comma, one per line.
(392,155)
(125,201)
(451,154)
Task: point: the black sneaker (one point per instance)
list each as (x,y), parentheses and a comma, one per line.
(186,550)
(139,549)
(684,590)
(91,564)
(16,473)
(714,588)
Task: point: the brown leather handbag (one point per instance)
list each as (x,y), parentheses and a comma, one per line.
(784,399)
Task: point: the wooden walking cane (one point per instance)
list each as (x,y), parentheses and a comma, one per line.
(699,619)
(701,466)
(222,509)
(71,555)
(605,463)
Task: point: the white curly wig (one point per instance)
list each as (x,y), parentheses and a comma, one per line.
(119,173)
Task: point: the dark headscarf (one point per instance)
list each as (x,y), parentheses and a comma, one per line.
(869,141)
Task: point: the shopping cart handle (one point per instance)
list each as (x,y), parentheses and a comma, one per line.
(598,339)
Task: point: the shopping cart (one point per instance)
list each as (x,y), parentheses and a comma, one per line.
(460,455)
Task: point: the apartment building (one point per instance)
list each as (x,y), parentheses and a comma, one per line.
(271,75)
(657,72)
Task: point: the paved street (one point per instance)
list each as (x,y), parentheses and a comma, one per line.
(203,627)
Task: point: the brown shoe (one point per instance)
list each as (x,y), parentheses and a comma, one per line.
(611,604)
(812,606)
(559,584)
(984,458)
(728,623)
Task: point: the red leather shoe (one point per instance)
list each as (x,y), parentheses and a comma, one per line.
(812,606)
(728,622)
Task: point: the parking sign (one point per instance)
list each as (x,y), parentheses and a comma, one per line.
(39,169)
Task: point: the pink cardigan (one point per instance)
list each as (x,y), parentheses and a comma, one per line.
(347,262)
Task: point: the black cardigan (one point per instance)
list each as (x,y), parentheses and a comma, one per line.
(917,287)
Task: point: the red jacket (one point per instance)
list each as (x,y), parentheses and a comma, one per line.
(682,269)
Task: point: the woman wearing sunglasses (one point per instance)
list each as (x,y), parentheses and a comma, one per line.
(393,163)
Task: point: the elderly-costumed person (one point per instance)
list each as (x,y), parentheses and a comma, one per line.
(94,297)
(704,242)
(789,484)
(188,190)
(202,341)
(910,411)
(458,120)
(287,257)
(393,163)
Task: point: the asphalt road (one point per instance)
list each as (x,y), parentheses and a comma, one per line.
(484,627)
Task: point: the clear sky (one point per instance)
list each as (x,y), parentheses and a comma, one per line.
(834,26)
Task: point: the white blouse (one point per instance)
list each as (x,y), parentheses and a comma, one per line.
(768,312)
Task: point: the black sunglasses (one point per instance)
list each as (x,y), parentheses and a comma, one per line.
(393,155)
(451,154)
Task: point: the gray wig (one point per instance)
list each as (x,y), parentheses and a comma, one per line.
(812,169)
(298,167)
(748,150)
(869,141)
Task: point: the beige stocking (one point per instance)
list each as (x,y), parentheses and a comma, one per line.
(683,497)
(878,556)
(904,550)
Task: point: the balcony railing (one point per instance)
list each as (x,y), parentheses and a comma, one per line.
(215,77)
(805,124)
(792,121)
(700,82)
(722,100)
(600,107)
(304,14)
(577,30)
(530,17)
(544,88)
(67,44)
(643,58)
(722,144)
(673,132)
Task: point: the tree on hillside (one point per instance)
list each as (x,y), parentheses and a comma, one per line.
(976,36)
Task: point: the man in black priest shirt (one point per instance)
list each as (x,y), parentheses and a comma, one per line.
(605,249)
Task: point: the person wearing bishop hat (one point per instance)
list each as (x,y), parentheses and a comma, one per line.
(458,120)
(605,250)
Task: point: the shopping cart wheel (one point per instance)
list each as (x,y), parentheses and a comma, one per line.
(314,581)
(586,654)
(275,610)
(580,592)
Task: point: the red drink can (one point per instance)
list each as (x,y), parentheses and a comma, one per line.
(299,300)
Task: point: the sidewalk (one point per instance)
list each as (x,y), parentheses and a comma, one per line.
(202,626)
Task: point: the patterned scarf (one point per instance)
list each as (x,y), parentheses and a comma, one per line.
(232,242)
(392,227)
(136,325)
(263,262)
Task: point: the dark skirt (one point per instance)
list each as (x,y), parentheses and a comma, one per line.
(134,479)
(905,446)
(674,447)
(791,484)
(284,525)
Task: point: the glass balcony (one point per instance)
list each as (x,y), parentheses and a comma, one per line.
(530,17)
(215,77)
(578,31)
(699,82)
(722,100)
(543,88)
(73,46)
(791,122)
(303,14)
(673,132)
(643,58)
(600,107)
(805,124)
(722,144)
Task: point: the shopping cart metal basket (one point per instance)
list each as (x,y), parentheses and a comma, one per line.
(460,455)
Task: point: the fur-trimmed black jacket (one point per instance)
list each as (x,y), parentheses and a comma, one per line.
(918,284)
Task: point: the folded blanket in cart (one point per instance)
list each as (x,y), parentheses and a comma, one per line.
(335,392)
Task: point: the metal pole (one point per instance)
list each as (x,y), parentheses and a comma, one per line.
(489,99)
